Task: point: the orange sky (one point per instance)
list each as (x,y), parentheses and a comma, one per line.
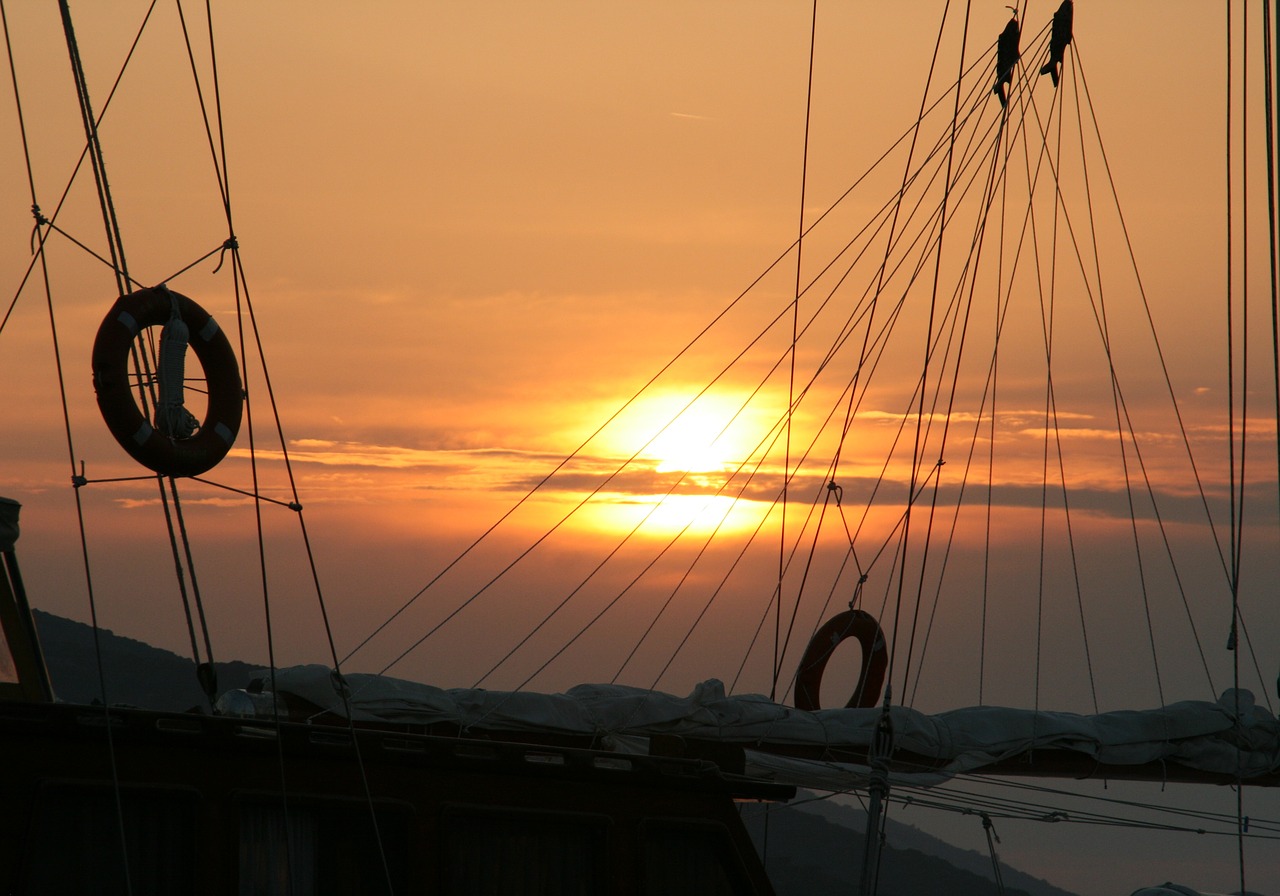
(472,230)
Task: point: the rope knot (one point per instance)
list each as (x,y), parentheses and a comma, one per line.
(229,243)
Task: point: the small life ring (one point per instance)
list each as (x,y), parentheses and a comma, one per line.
(875,659)
(201,451)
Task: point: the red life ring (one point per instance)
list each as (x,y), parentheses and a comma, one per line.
(129,316)
(875,659)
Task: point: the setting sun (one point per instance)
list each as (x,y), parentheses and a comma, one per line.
(686,433)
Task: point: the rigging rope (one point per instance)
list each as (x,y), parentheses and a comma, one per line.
(244,308)
(779,650)
(893,648)
(630,401)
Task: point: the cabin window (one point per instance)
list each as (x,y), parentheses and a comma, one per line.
(524,853)
(80,837)
(321,849)
(691,859)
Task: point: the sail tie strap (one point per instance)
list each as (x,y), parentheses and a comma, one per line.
(172,417)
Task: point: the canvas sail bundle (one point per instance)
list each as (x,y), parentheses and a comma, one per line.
(1232,736)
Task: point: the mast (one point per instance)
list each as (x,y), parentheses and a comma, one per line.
(23,675)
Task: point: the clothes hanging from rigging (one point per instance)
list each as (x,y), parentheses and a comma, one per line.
(1007,56)
(1059,38)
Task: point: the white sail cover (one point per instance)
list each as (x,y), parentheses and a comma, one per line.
(1205,736)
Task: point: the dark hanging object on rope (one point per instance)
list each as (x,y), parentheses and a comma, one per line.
(1006,58)
(875,659)
(1059,37)
(174,443)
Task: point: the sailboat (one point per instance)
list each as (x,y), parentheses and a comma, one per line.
(739,519)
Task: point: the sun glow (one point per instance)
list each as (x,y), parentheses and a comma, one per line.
(688,450)
(666,516)
(683,433)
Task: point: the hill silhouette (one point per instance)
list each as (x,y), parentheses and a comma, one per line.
(134,673)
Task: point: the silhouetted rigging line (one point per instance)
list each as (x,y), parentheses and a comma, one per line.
(952,313)
(931,220)
(933,61)
(968,274)
(671,491)
(1102,332)
(1026,99)
(1237,478)
(923,429)
(1269,128)
(837,256)
(795,318)
(1148,479)
(954,799)
(927,254)
(971,803)
(882,339)
(1052,394)
(644,388)
(1123,421)
(244,306)
(617,471)
(907,179)
(92,150)
(172,483)
(626,463)
(1271,827)
(671,598)
(576,636)
(1164,368)
(1019,129)
(762,452)
(117,254)
(830,353)
(84,152)
(846,332)
(777,429)
(1151,494)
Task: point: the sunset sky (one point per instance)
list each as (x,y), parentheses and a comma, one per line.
(471,231)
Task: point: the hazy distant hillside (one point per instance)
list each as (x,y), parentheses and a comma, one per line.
(136,673)
(816,848)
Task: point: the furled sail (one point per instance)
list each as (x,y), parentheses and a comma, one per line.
(1227,739)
